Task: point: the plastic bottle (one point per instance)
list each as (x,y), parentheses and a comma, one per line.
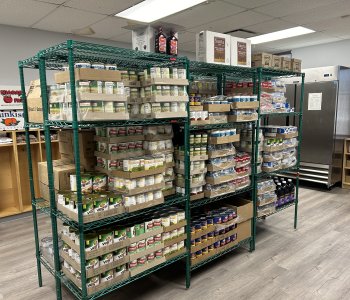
(160,46)
(172,44)
(291,190)
(279,194)
(285,188)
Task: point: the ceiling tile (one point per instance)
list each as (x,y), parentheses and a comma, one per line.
(241,20)
(288,7)
(202,14)
(65,19)
(270,26)
(23,12)
(109,27)
(250,3)
(320,13)
(107,7)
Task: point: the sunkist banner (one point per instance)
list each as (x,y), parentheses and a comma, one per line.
(11,108)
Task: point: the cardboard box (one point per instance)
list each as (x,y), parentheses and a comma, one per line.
(217,107)
(348,163)
(86,147)
(286,64)
(296,65)
(243,118)
(262,60)
(240,52)
(34,102)
(244,209)
(143,39)
(223,139)
(244,230)
(89,74)
(220,179)
(276,62)
(45,191)
(347,179)
(61,172)
(213,47)
(245,105)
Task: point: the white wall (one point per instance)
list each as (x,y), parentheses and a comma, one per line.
(19,43)
(331,54)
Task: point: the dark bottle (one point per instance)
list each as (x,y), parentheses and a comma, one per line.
(291,190)
(172,44)
(279,194)
(286,192)
(161,42)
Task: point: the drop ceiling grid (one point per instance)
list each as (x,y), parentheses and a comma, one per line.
(65,19)
(15,12)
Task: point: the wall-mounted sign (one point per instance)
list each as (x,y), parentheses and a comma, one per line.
(10,97)
(11,119)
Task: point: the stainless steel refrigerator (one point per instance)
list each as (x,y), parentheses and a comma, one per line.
(326,122)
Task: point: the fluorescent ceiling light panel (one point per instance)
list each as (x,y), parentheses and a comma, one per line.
(151,10)
(279,35)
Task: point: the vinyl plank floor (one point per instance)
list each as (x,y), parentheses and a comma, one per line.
(311,262)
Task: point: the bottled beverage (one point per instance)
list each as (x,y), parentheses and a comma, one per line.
(291,190)
(161,42)
(172,44)
(279,194)
(286,192)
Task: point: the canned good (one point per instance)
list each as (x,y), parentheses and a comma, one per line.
(119,107)
(210,248)
(119,254)
(106,259)
(157,238)
(105,238)
(193,256)
(141,260)
(98,66)
(132,248)
(107,276)
(101,204)
(197,241)
(205,251)
(198,253)
(173,233)
(203,238)
(198,226)
(216,244)
(173,218)
(111,67)
(133,264)
(159,253)
(93,281)
(180,245)
(166,236)
(120,270)
(210,235)
(222,242)
(91,242)
(82,65)
(165,220)
(141,245)
(96,86)
(151,256)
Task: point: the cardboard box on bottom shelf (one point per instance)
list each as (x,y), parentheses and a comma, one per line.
(86,147)
(99,287)
(145,267)
(243,207)
(213,193)
(244,230)
(197,197)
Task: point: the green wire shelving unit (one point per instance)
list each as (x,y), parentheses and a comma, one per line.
(221,73)
(54,58)
(264,118)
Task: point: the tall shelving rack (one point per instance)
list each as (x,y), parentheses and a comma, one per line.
(262,74)
(67,53)
(220,74)
(53,59)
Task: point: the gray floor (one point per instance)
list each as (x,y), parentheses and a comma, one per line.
(310,263)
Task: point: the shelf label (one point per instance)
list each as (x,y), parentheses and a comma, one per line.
(314,101)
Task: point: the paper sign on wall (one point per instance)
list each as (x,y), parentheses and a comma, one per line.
(10,97)
(314,101)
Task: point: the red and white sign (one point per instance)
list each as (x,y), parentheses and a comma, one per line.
(11,120)
(10,98)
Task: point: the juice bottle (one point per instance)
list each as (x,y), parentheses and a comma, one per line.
(172,44)
(286,192)
(279,194)
(161,42)
(291,190)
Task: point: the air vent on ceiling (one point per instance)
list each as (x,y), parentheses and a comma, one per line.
(242,33)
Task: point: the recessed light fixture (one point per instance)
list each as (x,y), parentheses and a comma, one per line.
(151,10)
(279,35)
